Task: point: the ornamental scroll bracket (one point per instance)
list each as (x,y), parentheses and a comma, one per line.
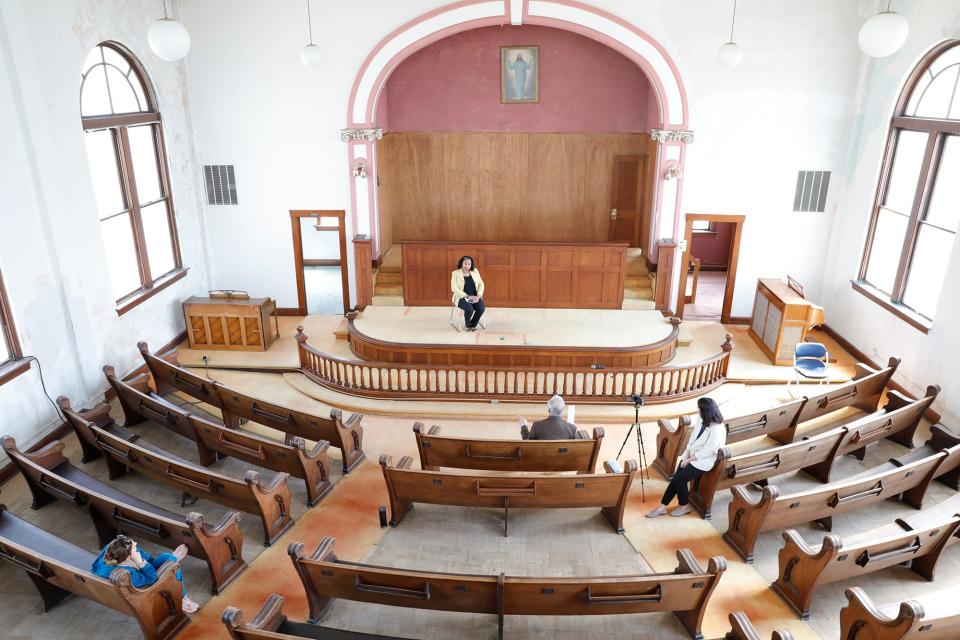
(366,135)
(671,135)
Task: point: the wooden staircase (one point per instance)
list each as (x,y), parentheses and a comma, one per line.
(638,285)
(388,280)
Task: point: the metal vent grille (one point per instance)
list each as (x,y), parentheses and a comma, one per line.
(221,183)
(811,192)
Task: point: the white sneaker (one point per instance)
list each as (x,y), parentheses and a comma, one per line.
(681,511)
(189,606)
(659,511)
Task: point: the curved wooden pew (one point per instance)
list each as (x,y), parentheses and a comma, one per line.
(346,435)
(508,455)
(919,540)
(312,466)
(815,455)
(49,475)
(270,502)
(781,422)
(934,616)
(742,629)
(58,568)
(907,476)
(608,490)
(684,592)
(271,623)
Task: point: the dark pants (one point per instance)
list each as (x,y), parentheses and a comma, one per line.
(678,484)
(472,311)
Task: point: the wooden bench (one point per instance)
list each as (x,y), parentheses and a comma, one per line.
(58,568)
(271,623)
(608,490)
(140,405)
(919,541)
(270,502)
(508,455)
(346,435)
(49,475)
(781,422)
(815,455)
(934,616)
(684,592)
(742,629)
(909,475)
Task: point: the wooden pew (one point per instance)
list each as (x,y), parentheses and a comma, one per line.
(934,616)
(742,629)
(685,591)
(909,475)
(815,455)
(270,502)
(781,422)
(58,568)
(49,475)
(346,435)
(608,490)
(508,455)
(271,623)
(919,540)
(312,466)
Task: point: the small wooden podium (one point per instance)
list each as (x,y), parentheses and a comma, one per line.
(781,319)
(234,324)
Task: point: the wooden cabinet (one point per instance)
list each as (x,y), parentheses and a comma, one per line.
(234,324)
(519,274)
(781,319)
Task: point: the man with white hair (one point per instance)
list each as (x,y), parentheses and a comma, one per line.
(553,427)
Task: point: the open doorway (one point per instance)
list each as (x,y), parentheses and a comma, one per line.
(319,253)
(710,262)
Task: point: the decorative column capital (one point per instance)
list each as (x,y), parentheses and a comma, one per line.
(671,135)
(367,135)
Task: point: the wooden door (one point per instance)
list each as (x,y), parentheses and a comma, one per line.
(626,198)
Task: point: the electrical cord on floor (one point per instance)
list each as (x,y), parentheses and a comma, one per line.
(43,386)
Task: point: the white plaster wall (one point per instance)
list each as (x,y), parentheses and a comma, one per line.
(51,252)
(926,359)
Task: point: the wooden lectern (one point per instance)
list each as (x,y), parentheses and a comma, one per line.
(234,324)
(781,319)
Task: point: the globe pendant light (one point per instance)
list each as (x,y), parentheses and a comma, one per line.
(312,55)
(730,54)
(167,38)
(883,34)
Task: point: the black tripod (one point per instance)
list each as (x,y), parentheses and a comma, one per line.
(637,403)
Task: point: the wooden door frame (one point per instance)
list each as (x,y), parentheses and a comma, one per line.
(643,163)
(295,216)
(737,222)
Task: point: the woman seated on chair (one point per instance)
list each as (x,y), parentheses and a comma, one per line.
(709,434)
(123,553)
(467,286)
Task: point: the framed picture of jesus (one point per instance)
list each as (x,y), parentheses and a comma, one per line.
(519,74)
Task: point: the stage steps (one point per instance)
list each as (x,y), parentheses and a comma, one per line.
(638,285)
(388,280)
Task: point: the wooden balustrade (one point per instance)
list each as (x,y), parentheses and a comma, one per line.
(474,382)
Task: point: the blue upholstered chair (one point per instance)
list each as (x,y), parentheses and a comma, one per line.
(810,360)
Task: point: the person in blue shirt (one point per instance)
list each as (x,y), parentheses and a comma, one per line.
(124,553)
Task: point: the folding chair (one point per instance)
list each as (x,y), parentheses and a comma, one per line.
(457,319)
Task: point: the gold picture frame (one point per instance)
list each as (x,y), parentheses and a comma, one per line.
(520,74)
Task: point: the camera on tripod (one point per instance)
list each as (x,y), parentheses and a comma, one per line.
(637,399)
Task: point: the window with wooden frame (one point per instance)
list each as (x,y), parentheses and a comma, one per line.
(124,139)
(11,358)
(704,226)
(917,207)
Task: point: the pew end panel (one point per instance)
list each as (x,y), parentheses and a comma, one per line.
(692,619)
(274,500)
(130,417)
(861,619)
(746,517)
(351,438)
(270,618)
(949,463)
(159,604)
(319,605)
(418,435)
(897,400)
(399,508)
(946,439)
(741,628)
(801,568)
(704,489)
(671,441)
(49,457)
(98,415)
(316,468)
(220,544)
(614,514)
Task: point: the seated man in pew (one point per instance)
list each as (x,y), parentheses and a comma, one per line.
(553,427)
(123,553)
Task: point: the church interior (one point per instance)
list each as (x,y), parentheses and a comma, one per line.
(481,318)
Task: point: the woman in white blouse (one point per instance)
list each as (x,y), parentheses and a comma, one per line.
(709,434)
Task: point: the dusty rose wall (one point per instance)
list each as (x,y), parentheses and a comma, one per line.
(713,249)
(454,85)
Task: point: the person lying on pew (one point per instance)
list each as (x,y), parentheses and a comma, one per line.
(553,427)
(467,286)
(698,458)
(123,553)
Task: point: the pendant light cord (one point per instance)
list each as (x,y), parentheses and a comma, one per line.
(734,20)
(309,22)
(165,17)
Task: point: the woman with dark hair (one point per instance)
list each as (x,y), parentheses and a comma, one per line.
(710,433)
(123,553)
(467,286)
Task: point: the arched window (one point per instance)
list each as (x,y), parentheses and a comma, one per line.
(124,140)
(917,207)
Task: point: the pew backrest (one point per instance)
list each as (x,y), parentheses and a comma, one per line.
(863,392)
(934,616)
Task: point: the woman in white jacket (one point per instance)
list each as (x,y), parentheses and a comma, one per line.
(709,434)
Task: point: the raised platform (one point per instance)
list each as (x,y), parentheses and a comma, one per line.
(515,337)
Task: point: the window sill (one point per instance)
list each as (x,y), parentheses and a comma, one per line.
(12,369)
(909,316)
(704,232)
(137,298)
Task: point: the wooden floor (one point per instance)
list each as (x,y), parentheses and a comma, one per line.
(711,286)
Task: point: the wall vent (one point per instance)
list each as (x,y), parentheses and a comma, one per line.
(811,192)
(221,183)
